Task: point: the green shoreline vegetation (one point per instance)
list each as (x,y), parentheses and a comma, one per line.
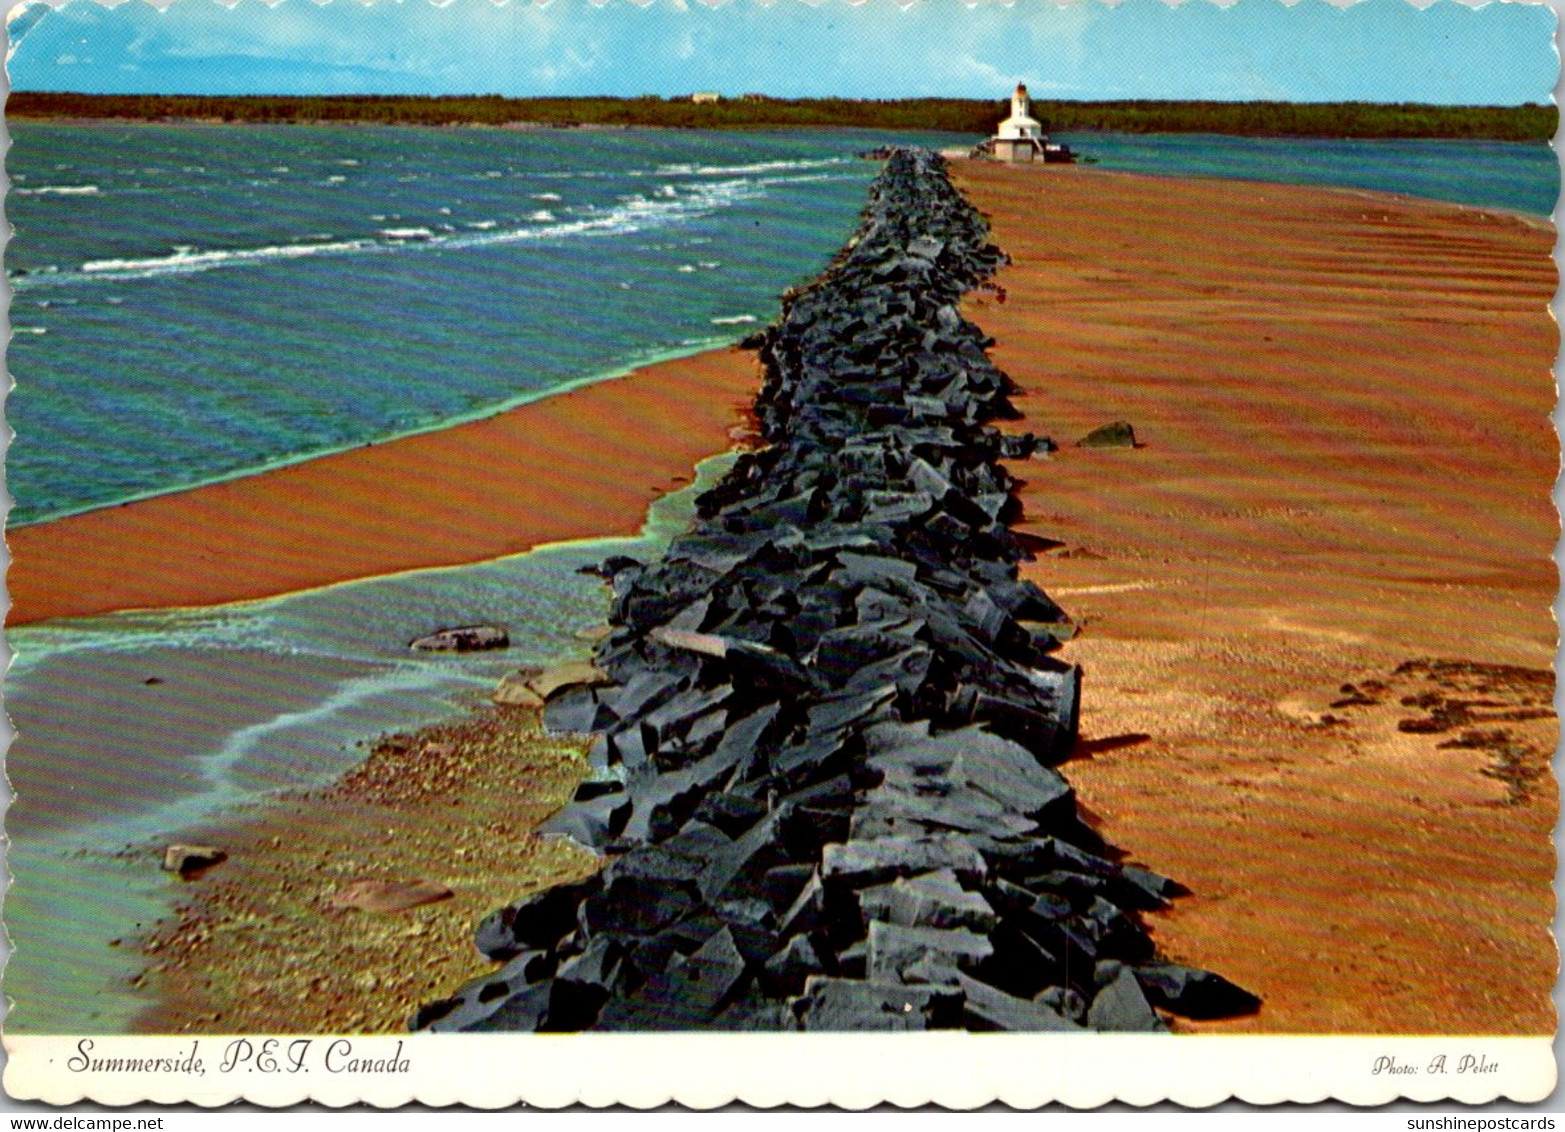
(1527,123)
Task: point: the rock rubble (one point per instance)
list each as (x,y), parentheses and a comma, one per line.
(823,769)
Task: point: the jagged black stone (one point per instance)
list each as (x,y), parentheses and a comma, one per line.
(822,777)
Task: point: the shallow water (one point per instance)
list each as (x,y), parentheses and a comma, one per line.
(250,698)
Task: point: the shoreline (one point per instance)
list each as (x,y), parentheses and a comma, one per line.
(1224,694)
(615,373)
(469,493)
(266,944)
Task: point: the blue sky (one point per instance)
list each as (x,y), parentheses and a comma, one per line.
(1380,50)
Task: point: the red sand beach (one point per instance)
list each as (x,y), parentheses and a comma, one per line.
(1315,605)
(1344,401)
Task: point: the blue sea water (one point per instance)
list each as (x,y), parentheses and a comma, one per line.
(192,303)
(1509,175)
(196,302)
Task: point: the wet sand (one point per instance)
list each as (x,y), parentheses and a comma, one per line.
(263,945)
(1344,401)
(1345,479)
(583,464)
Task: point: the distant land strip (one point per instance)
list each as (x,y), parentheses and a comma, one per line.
(1530,122)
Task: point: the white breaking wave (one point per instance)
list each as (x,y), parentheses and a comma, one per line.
(185,262)
(547,196)
(543,214)
(735,320)
(29,330)
(58,191)
(633,215)
(756,167)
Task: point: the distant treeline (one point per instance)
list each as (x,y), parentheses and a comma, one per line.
(963,116)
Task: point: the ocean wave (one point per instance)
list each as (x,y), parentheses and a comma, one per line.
(631,215)
(29,330)
(735,320)
(191,261)
(58,191)
(547,196)
(810,179)
(693,170)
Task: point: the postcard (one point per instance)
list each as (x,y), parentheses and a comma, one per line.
(793,553)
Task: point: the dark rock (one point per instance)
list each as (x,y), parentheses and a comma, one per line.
(733,814)
(576,711)
(923,955)
(643,891)
(786,972)
(1066,1001)
(1117,435)
(190,861)
(690,993)
(990,1009)
(592,824)
(859,864)
(932,900)
(1193,993)
(468,638)
(538,922)
(852,1005)
(1121,1006)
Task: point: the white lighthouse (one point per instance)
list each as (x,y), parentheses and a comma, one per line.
(1020,137)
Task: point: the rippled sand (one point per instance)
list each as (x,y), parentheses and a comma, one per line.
(1344,400)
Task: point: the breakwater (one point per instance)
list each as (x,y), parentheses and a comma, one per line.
(823,773)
